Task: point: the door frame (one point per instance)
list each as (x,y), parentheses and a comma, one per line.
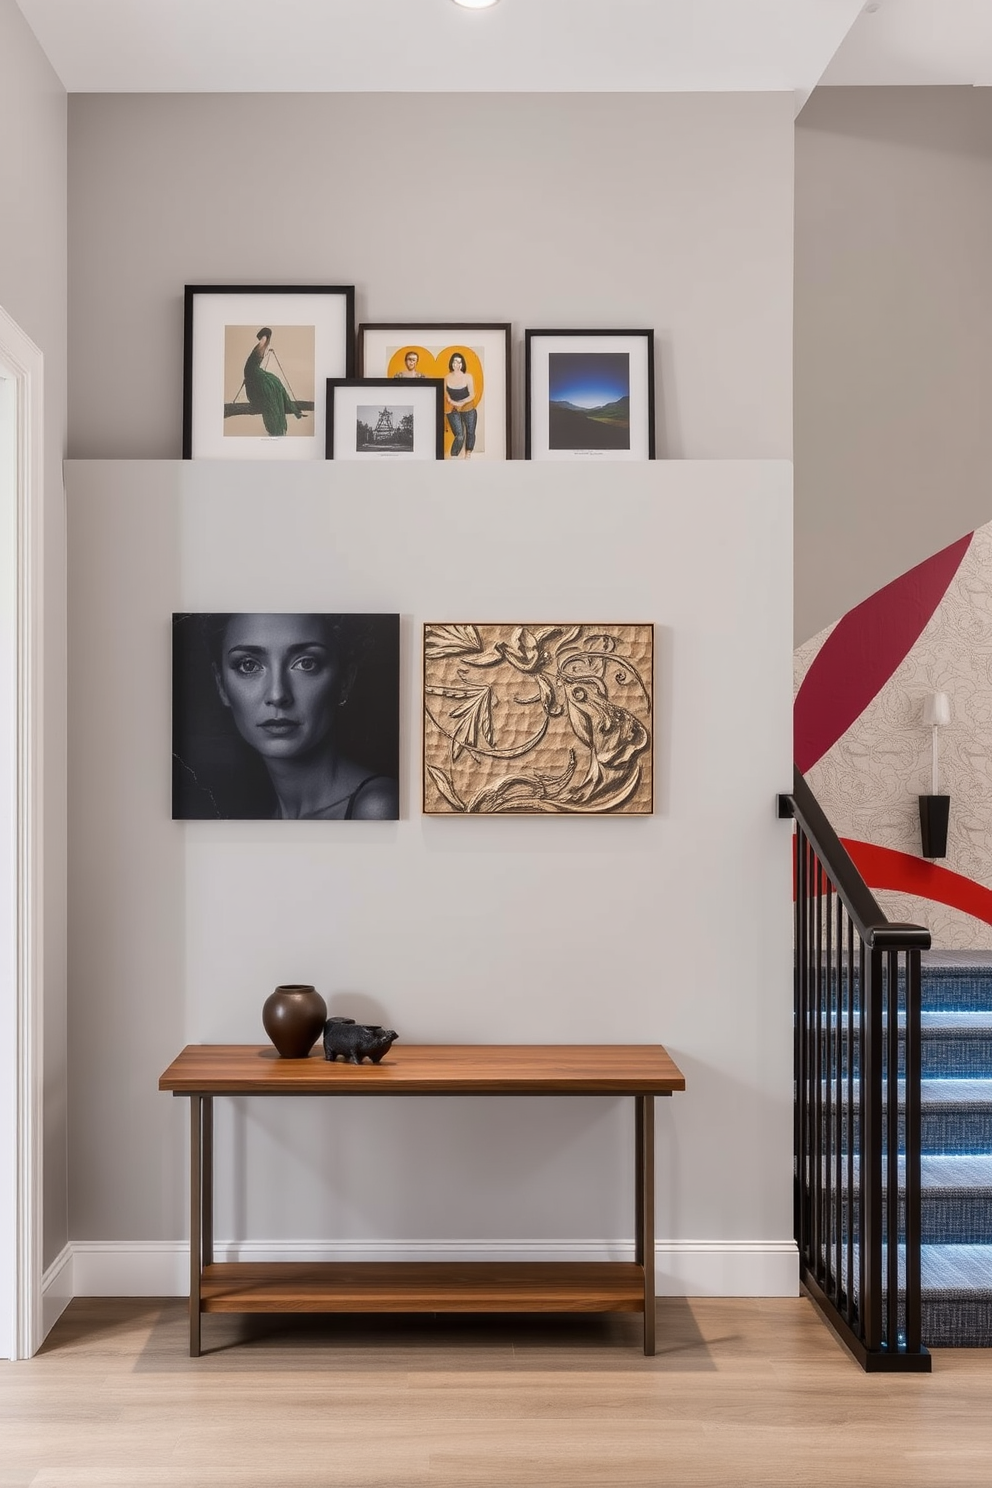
(21,1022)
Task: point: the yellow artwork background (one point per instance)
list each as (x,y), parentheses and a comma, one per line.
(435,364)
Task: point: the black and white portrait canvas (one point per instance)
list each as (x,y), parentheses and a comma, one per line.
(291,717)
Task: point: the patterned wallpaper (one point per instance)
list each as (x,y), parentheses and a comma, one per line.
(868,780)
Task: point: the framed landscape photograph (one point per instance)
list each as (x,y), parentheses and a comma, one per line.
(372,419)
(473,363)
(538,719)
(254,358)
(589,395)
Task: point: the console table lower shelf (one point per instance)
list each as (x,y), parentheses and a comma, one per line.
(641,1071)
(423,1286)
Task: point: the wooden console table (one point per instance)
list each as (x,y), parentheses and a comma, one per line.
(638,1070)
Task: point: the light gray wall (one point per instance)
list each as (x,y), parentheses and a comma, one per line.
(33,292)
(671,928)
(672,212)
(544,210)
(893,356)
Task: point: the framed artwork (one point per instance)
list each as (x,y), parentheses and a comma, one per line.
(589,395)
(369,418)
(473,362)
(538,719)
(254,359)
(286,717)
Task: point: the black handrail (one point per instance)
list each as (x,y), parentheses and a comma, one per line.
(861,904)
(857,1074)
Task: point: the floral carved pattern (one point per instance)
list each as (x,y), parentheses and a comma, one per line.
(538,719)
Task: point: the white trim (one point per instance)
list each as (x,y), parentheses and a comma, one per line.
(25,363)
(685,1268)
(56,1288)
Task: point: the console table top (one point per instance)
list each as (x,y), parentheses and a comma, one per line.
(426,1069)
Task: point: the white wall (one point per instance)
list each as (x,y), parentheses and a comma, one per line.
(674,928)
(670,211)
(33,292)
(893,370)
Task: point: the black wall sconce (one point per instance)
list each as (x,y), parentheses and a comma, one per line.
(935,809)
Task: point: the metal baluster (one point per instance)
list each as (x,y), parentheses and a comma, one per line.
(871,1152)
(799,1043)
(838,1077)
(830,1281)
(816,1173)
(914,1330)
(852,1049)
(892,1226)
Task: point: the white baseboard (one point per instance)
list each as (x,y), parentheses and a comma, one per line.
(56,1289)
(684,1268)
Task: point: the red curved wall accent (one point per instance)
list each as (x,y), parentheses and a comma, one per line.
(864,649)
(885,868)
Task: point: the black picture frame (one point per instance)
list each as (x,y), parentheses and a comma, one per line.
(551,424)
(382,343)
(344,399)
(222,323)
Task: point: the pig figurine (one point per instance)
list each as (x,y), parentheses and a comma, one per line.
(356,1041)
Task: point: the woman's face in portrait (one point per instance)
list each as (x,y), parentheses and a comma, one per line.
(280,677)
(457,363)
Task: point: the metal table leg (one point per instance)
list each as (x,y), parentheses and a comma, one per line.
(207,1182)
(644,1208)
(195,1230)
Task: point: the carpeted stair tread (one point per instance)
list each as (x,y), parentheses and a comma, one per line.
(945,1172)
(955,1269)
(939,1093)
(935,1022)
(953,1044)
(958,981)
(956,1301)
(950,1092)
(951,1172)
(956,1196)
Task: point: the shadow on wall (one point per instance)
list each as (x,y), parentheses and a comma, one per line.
(952,120)
(865,749)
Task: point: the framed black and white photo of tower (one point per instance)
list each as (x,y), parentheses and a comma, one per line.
(255,362)
(589,395)
(369,418)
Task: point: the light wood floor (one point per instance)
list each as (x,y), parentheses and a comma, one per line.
(741,1393)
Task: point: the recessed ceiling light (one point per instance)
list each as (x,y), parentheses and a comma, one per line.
(475,4)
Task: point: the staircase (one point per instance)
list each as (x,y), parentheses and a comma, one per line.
(956,1152)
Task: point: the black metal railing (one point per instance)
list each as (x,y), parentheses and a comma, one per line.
(857,1100)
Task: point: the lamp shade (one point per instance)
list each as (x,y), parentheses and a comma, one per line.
(937,709)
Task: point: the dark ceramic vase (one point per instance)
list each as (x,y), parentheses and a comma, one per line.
(293,1017)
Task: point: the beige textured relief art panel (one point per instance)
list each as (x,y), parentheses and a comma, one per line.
(532,719)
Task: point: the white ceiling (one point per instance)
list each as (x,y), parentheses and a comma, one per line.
(433,45)
(917,42)
(520,45)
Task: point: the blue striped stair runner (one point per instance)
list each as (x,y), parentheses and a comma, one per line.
(956,1167)
(956,1162)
